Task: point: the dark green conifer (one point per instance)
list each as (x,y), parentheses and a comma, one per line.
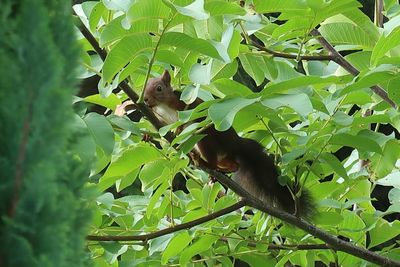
(43,218)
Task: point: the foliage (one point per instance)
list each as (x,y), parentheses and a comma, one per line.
(306,112)
(43,217)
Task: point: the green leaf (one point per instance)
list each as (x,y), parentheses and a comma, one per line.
(231,88)
(377,76)
(303,81)
(147,9)
(217,8)
(162,189)
(125,124)
(109,102)
(194,10)
(151,172)
(328,218)
(383,231)
(170,57)
(176,245)
(256,260)
(204,243)
(188,145)
(393,90)
(352,226)
(136,63)
(131,159)
(346,34)
(299,103)
(390,180)
(95,16)
(334,163)
(263,6)
(385,44)
(254,65)
(124,52)
(384,164)
(360,142)
(200,74)
(114,31)
(126,181)
(223,112)
(113,250)
(101,131)
(181,40)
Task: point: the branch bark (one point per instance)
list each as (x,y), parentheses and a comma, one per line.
(290,56)
(331,240)
(340,60)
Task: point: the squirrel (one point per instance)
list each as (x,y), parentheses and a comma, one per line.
(227,152)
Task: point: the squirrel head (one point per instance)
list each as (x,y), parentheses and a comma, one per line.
(158,90)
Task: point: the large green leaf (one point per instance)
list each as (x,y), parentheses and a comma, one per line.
(346,34)
(383,231)
(181,40)
(109,102)
(334,163)
(360,142)
(194,10)
(301,82)
(101,131)
(384,44)
(223,113)
(131,159)
(176,245)
(147,9)
(202,244)
(124,52)
(300,103)
(263,6)
(220,7)
(385,163)
(254,65)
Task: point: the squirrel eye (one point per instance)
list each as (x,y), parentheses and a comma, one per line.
(159,88)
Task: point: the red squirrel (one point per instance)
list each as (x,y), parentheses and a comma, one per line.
(227,152)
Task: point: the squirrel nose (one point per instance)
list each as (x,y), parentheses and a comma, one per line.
(145,100)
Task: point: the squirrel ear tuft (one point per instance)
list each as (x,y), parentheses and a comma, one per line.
(166,77)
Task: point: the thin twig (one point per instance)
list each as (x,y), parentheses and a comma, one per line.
(340,60)
(290,56)
(153,57)
(170,230)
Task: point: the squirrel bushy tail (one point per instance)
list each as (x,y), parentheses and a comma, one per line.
(258,175)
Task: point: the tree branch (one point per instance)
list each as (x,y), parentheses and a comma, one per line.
(340,60)
(290,56)
(331,240)
(170,230)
